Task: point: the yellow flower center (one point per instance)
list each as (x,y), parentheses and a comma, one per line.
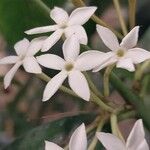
(69,67)
(120,53)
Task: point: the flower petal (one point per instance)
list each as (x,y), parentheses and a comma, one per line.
(51,61)
(81,15)
(111,60)
(52,146)
(35,45)
(53,85)
(110,141)
(30,65)
(43,29)
(21,47)
(136,135)
(8,77)
(143,145)
(90,59)
(78,139)
(126,63)
(108,37)
(130,40)
(9,60)
(51,40)
(79,85)
(79,31)
(59,15)
(138,55)
(71,48)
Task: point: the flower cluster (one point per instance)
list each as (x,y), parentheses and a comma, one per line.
(125,55)
(136,140)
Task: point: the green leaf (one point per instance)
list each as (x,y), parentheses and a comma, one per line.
(54,131)
(16,16)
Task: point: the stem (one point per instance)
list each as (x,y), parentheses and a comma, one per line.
(106,80)
(121,19)
(93,98)
(99,128)
(88,129)
(114,126)
(96,19)
(140,71)
(92,86)
(132,11)
(99,102)
(127,115)
(43,6)
(132,98)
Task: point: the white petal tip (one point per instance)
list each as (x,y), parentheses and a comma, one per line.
(45,99)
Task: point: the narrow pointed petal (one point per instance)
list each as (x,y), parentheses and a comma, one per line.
(53,85)
(136,136)
(79,85)
(8,77)
(59,15)
(52,146)
(126,63)
(35,45)
(138,55)
(78,139)
(51,61)
(130,40)
(71,48)
(143,145)
(90,59)
(111,60)
(51,40)
(44,29)
(9,60)
(30,65)
(79,31)
(21,47)
(108,37)
(110,141)
(81,15)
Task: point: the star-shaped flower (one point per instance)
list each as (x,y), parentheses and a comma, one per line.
(135,141)
(25,51)
(71,67)
(66,25)
(125,54)
(78,141)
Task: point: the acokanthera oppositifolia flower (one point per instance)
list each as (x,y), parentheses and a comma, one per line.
(135,141)
(78,140)
(125,54)
(66,25)
(25,51)
(71,66)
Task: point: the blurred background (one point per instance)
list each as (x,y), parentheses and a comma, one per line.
(25,121)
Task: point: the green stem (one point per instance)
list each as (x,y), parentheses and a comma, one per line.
(92,86)
(132,98)
(106,80)
(93,98)
(132,11)
(96,19)
(114,126)
(127,115)
(140,71)
(121,19)
(95,140)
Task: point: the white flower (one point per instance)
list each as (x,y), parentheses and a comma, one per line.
(71,67)
(25,51)
(78,140)
(66,25)
(123,54)
(135,141)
